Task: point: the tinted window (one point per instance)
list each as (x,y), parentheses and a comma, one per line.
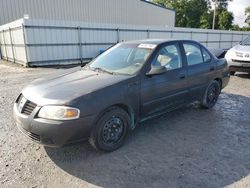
(193,53)
(206,55)
(169,57)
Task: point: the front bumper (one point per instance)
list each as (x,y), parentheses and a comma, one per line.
(52,133)
(239,65)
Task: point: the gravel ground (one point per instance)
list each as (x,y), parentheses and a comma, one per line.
(189,147)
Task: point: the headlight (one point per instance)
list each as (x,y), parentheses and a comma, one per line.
(59,113)
(230,54)
(239,54)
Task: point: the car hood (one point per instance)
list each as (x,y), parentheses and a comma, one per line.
(64,87)
(241,48)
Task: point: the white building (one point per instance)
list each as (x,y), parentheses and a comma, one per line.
(130,12)
(75,31)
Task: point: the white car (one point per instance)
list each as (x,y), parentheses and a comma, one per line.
(238,57)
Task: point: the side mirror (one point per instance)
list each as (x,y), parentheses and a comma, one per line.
(156,70)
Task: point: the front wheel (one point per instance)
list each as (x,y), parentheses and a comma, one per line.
(211,95)
(111,130)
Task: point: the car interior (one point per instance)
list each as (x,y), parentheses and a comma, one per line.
(170,60)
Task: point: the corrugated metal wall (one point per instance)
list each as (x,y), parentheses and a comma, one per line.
(133,12)
(60,42)
(12,45)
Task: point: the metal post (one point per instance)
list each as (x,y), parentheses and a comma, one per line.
(80,42)
(171,33)
(148,34)
(5,46)
(232,39)
(191,35)
(118,35)
(207,40)
(1,57)
(25,45)
(12,47)
(220,41)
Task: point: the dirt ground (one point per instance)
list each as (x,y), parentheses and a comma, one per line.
(189,147)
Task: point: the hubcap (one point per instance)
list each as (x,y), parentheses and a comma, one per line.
(112,130)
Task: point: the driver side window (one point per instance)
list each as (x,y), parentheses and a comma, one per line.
(169,57)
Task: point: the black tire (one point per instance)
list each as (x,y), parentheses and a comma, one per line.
(111,130)
(232,73)
(211,95)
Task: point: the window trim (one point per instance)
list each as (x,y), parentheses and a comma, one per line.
(178,47)
(202,49)
(194,44)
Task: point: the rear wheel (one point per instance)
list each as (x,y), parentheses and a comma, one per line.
(111,130)
(211,95)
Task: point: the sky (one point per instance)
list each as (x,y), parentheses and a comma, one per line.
(238,9)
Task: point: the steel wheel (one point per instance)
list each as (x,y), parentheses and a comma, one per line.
(112,130)
(211,95)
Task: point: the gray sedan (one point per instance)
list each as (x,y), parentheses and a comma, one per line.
(127,84)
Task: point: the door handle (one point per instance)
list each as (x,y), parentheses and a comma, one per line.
(182,76)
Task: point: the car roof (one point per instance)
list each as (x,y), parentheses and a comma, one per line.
(153,41)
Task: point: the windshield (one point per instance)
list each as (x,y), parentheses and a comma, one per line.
(246,42)
(123,58)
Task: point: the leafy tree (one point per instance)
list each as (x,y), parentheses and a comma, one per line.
(188,12)
(225,20)
(195,10)
(198,13)
(235,27)
(222,4)
(206,20)
(247,13)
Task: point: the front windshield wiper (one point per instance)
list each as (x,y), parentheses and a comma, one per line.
(101,70)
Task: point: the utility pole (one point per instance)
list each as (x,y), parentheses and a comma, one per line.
(214,17)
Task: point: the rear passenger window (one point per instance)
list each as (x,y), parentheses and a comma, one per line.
(206,55)
(193,53)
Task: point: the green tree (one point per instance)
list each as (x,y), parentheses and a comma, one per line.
(188,12)
(195,11)
(225,20)
(247,13)
(206,20)
(236,27)
(222,4)
(198,13)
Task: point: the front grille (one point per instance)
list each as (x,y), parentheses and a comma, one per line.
(19,98)
(28,107)
(25,106)
(31,135)
(239,61)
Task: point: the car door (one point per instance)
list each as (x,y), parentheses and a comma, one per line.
(200,69)
(167,90)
